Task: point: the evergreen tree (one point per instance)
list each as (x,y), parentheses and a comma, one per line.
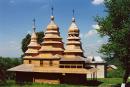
(116,26)
(25,42)
(40,37)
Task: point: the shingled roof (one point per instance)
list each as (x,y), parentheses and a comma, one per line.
(23,68)
(32,68)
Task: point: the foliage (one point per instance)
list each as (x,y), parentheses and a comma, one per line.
(25,42)
(6,63)
(116,25)
(27,39)
(40,37)
(117,73)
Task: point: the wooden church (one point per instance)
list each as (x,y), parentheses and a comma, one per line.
(50,62)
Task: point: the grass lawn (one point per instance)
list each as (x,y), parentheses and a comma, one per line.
(105,82)
(110,81)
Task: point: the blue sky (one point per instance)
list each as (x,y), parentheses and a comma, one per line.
(16,21)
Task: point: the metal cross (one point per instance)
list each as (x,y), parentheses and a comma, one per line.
(73,12)
(52,10)
(34,24)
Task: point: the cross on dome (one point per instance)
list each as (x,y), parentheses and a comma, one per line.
(73,19)
(34,27)
(52,10)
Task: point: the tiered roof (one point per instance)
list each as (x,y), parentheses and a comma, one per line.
(73,46)
(52,43)
(33,46)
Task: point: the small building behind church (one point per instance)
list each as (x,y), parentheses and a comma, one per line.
(98,63)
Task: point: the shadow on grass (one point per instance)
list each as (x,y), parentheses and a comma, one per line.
(119,85)
(93,83)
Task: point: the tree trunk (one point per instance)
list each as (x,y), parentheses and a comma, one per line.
(2,76)
(126,75)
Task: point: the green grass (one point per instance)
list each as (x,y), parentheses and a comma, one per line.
(106,82)
(110,81)
(11,83)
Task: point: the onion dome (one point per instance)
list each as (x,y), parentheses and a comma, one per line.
(52,25)
(73,27)
(33,42)
(73,46)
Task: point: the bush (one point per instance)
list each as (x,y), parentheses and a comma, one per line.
(118,73)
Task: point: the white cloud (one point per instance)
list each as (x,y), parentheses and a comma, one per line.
(91,33)
(99,41)
(97,2)
(95,26)
(92,42)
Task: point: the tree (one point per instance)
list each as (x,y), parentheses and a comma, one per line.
(25,42)
(116,26)
(6,63)
(2,76)
(40,37)
(27,39)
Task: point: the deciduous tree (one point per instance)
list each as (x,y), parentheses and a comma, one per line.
(116,26)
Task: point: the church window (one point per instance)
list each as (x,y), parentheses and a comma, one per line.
(30,61)
(50,63)
(41,62)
